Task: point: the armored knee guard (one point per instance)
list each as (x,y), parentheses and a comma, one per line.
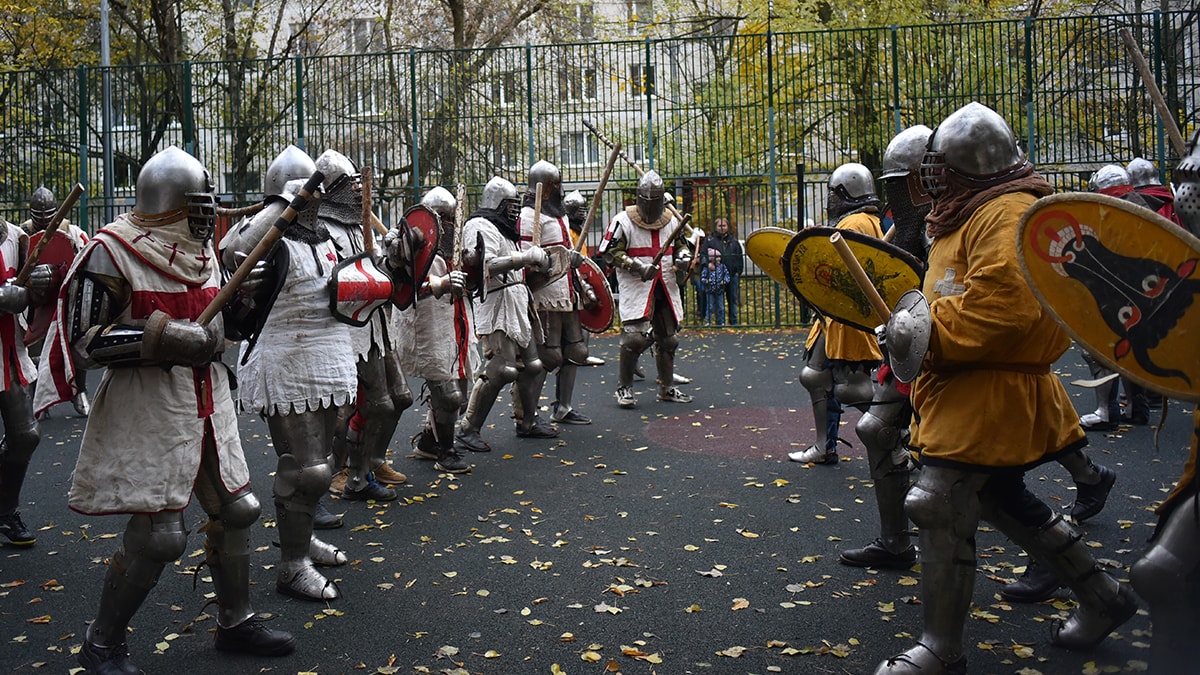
(852,385)
(551,357)
(445,398)
(227,544)
(1167,579)
(635,339)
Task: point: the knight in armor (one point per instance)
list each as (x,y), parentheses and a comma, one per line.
(503,318)
(298,385)
(840,358)
(42,207)
(164,378)
(435,340)
(1158,197)
(365,429)
(560,343)
(1167,576)
(577,208)
(988,365)
(20,428)
(650,306)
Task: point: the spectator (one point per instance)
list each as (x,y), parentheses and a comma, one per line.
(726,242)
(715,280)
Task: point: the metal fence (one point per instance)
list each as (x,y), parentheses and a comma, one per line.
(746,126)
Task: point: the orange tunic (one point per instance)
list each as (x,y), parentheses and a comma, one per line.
(842,342)
(987,396)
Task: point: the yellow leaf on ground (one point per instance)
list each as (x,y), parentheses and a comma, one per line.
(740,603)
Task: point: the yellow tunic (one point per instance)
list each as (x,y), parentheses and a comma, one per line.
(987,396)
(842,342)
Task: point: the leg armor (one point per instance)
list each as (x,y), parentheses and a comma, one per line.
(301,478)
(530,380)
(1168,579)
(445,399)
(550,350)
(380,419)
(664,329)
(945,503)
(881,430)
(1104,602)
(852,384)
(817,378)
(151,541)
(20,440)
(574,342)
(635,339)
(499,371)
(1108,410)
(227,539)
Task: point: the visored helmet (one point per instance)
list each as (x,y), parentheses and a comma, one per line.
(501,195)
(906,196)
(976,144)
(576,207)
(552,191)
(651,197)
(289,165)
(440,201)
(342,179)
(172,185)
(42,206)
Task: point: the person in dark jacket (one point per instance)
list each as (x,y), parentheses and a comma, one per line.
(724,240)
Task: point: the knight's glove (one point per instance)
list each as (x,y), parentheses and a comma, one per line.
(534,256)
(643,269)
(683,257)
(576,259)
(455,282)
(44,281)
(260,278)
(179,341)
(881,338)
(13,299)
(398,245)
(587,296)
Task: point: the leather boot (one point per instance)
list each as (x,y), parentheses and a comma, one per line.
(893,549)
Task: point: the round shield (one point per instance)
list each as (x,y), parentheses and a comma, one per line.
(423,233)
(907,335)
(58,252)
(815,272)
(357,288)
(765,247)
(598,317)
(1122,280)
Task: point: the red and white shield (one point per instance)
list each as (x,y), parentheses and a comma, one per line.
(595,317)
(60,253)
(357,288)
(422,232)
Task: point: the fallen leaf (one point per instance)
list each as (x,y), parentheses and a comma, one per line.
(740,603)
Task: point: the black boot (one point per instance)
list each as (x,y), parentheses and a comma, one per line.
(1090,499)
(253,637)
(1038,583)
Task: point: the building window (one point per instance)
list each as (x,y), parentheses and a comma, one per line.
(578,148)
(577,84)
(505,91)
(367,97)
(584,15)
(124,172)
(301,40)
(363,35)
(641,79)
(639,11)
(506,152)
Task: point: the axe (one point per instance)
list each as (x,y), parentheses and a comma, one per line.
(299,203)
(616,147)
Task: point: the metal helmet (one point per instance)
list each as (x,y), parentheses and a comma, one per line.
(904,153)
(171,185)
(552,191)
(651,197)
(1108,176)
(501,196)
(341,178)
(442,202)
(42,206)
(851,188)
(288,165)
(974,143)
(906,197)
(1187,180)
(1142,173)
(576,207)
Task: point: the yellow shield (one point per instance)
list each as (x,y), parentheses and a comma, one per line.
(816,273)
(765,247)
(1122,280)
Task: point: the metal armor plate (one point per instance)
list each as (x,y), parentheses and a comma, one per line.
(560,263)
(60,253)
(599,317)
(765,247)
(357,288)
(1122,280)
(423,226)
(907,335)
(816,273)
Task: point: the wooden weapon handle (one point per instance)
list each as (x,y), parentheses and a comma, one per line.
(595,207)
(860,276)
(367,213)
(537,215)
(1160,104)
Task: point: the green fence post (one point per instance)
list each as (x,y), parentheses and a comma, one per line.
(1159,128)
(189,116)
(81,79)
(529,101)
(1030,148)
(772,153)
(647,90)
(299,71)
(416,142)
(896,79)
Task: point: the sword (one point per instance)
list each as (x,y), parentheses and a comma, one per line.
(460,208)
(595,206)
(51,228)
(537,215)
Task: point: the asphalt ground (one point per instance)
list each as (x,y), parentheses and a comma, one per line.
(672,538)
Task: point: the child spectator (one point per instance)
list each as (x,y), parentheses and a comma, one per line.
(714,279)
